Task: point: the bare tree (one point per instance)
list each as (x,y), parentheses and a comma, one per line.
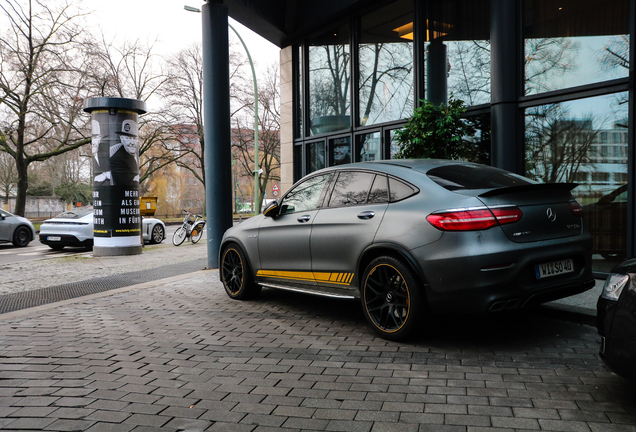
(547,58)
(8,175)
(329,80)
(469,76)
(39,94)
(386,83)
(184,95)
(557,147)
(268,137)
(133,70)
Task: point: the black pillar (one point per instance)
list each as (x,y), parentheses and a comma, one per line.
(437,73)
(507,139)
(216,99)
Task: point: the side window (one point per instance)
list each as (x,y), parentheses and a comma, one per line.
(400,190)
(304,196)
(380,190)
(351,188)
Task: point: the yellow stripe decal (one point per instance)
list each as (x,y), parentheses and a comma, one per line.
(334,278)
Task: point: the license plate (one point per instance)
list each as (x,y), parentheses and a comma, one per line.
(554,268)
(54,238)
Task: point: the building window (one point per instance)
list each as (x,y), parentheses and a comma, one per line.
(386,64)
(340,151)
(574,43)
(559,148)
(458,50)
(329,81)
(315,156)
(368,147)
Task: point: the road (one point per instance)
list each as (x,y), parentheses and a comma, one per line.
(36,250)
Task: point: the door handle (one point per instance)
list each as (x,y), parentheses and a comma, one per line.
(366,215)
(304,219)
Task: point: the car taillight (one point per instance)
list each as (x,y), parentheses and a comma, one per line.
(576,208)
(471,220)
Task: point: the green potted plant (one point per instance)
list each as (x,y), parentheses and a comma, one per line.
(435,132)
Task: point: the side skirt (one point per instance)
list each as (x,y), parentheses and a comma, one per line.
(307,291)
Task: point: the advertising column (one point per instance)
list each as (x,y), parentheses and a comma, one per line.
(115,149)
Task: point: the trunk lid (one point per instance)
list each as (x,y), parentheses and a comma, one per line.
(546,211)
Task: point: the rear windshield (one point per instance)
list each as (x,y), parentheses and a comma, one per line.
(469,177)
(76,213)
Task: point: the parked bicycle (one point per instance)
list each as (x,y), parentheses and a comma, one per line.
(192,228)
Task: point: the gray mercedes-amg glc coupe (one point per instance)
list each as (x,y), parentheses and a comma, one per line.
(414,237)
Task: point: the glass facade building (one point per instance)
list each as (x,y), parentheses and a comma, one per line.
(549,86)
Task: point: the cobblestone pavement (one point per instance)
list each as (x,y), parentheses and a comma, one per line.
(178,354)
(32,275)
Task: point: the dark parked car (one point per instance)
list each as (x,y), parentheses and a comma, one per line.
(616,320)
(411,236)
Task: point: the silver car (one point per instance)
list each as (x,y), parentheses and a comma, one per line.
(409,237)
(15,229)
(75,228)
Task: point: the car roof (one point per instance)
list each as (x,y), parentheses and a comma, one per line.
(390,165)
(408,169)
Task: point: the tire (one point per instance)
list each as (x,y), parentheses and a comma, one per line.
(21,237)
(392,297)
(157,234)
(56,247)
(179,236)
(197,233)
(236,276)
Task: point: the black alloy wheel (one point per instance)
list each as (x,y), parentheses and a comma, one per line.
(236,276)
(392,298)
(21,237)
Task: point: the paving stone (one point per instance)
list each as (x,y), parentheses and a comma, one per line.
(69,425)
(283,363)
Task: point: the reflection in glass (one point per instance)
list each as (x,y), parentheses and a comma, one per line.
(340,151)
(315,156)
(299,94)
(463,28)
(574,43)
(379,191)
(585,142)
(480,143)
(394,146)
(304,196)
(369,147)
(329,77)
(386,64)
(351,188)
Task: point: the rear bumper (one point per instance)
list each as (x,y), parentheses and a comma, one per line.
(65,240)
(484,273)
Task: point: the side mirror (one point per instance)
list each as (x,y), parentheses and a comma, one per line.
(272,209)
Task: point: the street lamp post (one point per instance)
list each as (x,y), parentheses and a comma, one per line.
(257,170)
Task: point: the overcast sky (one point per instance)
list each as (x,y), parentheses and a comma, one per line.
(166,20)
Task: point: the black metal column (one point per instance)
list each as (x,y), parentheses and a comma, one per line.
(507,148)
(216,99)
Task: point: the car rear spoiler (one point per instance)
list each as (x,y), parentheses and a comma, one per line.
(528,188)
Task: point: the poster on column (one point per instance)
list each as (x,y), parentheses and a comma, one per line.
(115,148)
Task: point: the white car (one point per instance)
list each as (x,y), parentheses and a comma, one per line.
(75,228)
(15,229)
